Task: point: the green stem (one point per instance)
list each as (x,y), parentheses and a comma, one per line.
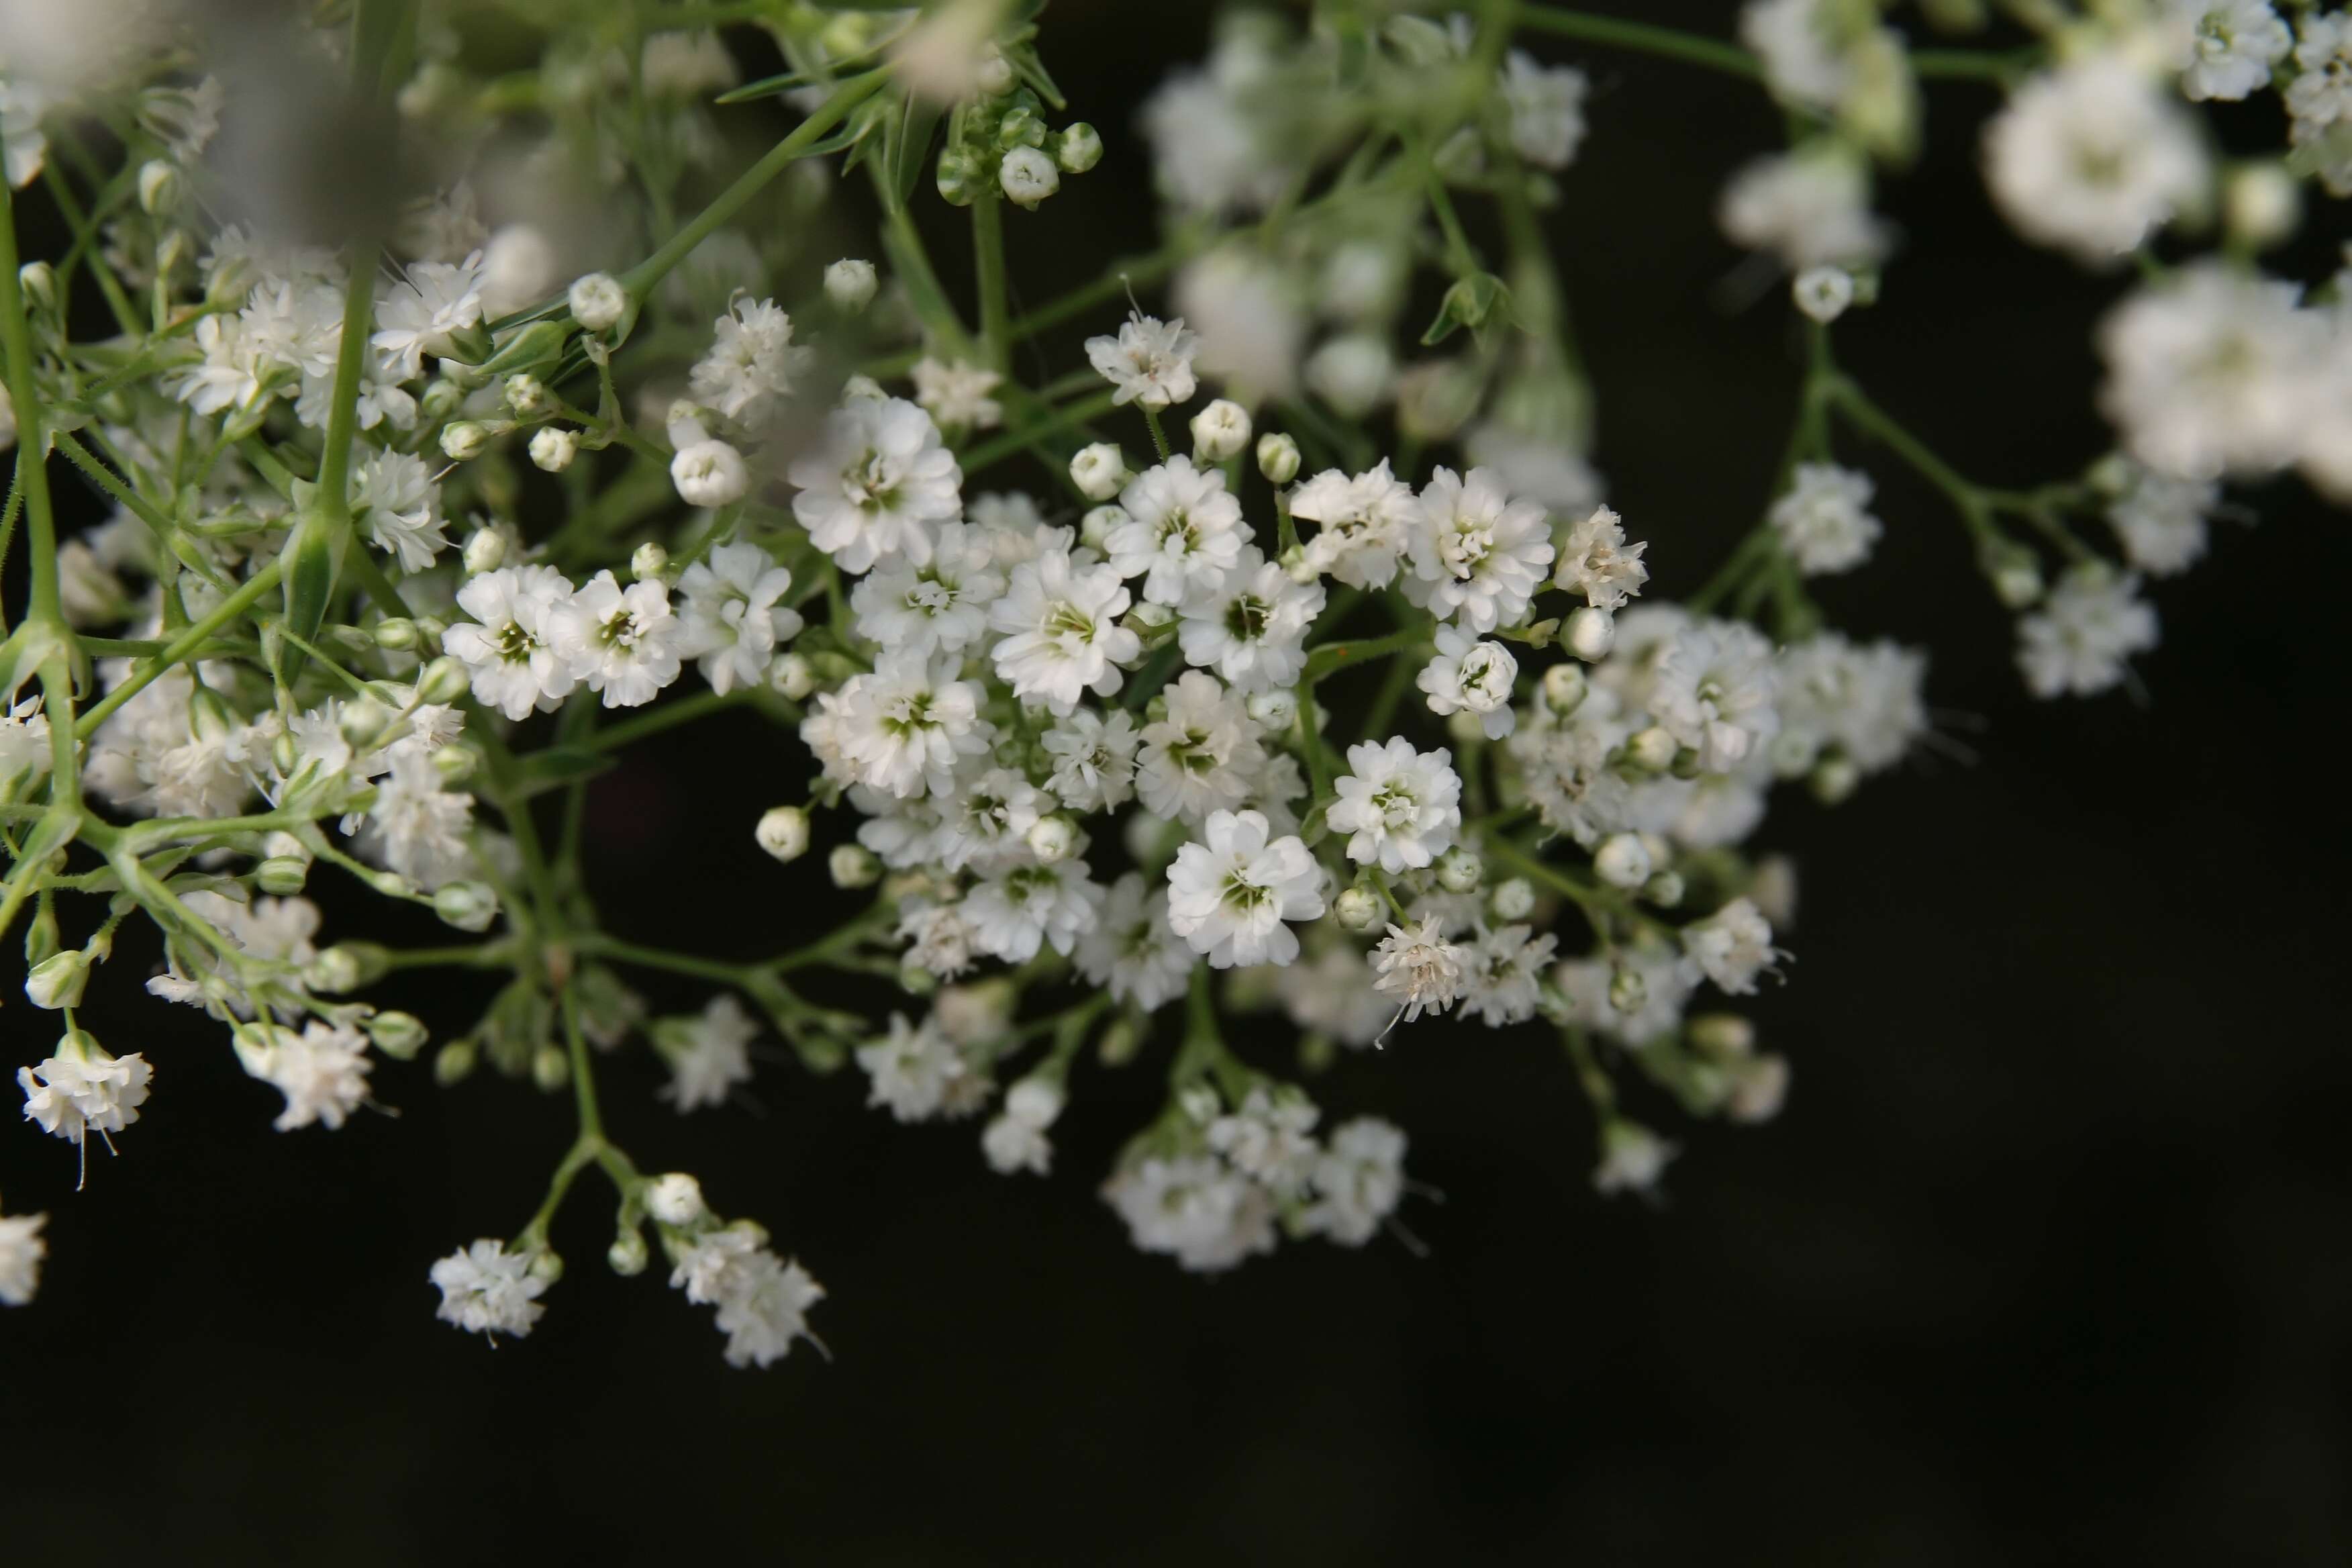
(1615,32)
(181,647)
(988,271)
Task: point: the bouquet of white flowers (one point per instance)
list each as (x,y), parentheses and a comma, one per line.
(1316,678)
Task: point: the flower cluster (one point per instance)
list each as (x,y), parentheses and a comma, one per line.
(1308,676)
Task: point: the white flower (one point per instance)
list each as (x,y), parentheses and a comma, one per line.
(24,745)
(1401,806)
(1503,976)
(1014,913)
(1469,675)
(1864,700)
(1094,759)
(322,1072)
(1478,556)
(1201,756)
(1211,148)
(912,1068)
(1062,638)
(1546,105)
(1016,1140)
(901,728)
(880,485)
(1652,1005)
(1419,968)
(416,825)
(1027,176)
(1824,520)
(1822,293)
(709,474)
(2227,47)
(2077,642)
(1183,533)
(988,819)
(1332,995)
(2319,98)
(1633,1158)
(708,1055)
(620,641)
(2093,158)
(957,395)
(1714,692)
(423,313)
(404,507)
(1366,523)
(1245,308)
(1251,628)
(1131,951)
(486,1289)
(732,617)
(941,939)
(1731,946)
(21,1251)
(1198,1210)
(1357,1180)
(762,1301)
(1228,896)
(1269,1140)
(2161,520)
(1597,562)
(2209,372)
(752,364)
(85,1090)
(1013,528)
(940,606)
(1149,363)
(1810,207)
(515,666)
(1353,372)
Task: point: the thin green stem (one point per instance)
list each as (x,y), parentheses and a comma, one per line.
(197,634)
(988,272)
(1641,37)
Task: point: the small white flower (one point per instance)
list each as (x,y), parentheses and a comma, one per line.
(1228,896)
(21,1251)
(597,301)
(1810,207)
(416,825)
(1503,976)
(2209,372)
(1824,521)
(1063,638)
(1469,675)
(2161,520)
(1149,363)
(2227,47)
(1131,951)
(1731,946)
(1418,967)
(84,1089)
(508,648)
(423,313)
(1401,806)
(762,1301)
(1597,562)
(1270,1139)
(1183,531)
(1366,522)
(1027,176)
(752,364)
(1359,1181)
(731,617)
(1714,691)
(1094,758)
(708,1055)
(1200,756)
(403,507)
(621,642)
(2091,623)
(1197,1209)
(1546,105)
(851,283)
(1015,912)
(911,1069)
(1478,556)
(957,395)
(1016,1140)
(322,1072)
(939,606)
(901,728)
(880,485)
(709,474)
(1633,1158)
(486,1289)
(1251,628)
(2092,158)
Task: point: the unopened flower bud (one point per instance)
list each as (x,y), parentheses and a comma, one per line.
(525,394)
(550,1070)
(1277,457)
(485,550)
(39,279)
(648,561)
(1628,990)
(1653,750)
(1221,430)
(2262,205)
(455,1062)
(1078,148)
(1094,527)
(1759,1086)
(1514,900)
(852,866)
(1099,471)
(397,1034)
(1027,176)
(793,677)
(597,301)
(1722,1035)
(1665,889)
(443,680)
(281,875)
(453,764)
(1459,870)
(1053,839)
(1823,292)
(1358,908)
(851,284)
(463,439)
(1277,710)
(331,972)
(1119,1044)
(784,832)
(468,906)
(159,187)
(674,1199)
(992,73)
(709,474)
(395,633)
(552,449)
(1564,687)
(1020,127)
(58,980)
(1589,634)
(628,1255)
(1833,778)
(1622,860)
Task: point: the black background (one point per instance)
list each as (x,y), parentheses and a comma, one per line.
(2044,1262)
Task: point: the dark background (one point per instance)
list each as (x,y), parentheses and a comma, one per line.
(2044,1261)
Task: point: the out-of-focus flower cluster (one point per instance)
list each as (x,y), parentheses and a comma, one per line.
(1313,682)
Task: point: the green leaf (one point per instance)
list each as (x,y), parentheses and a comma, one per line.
(909,146)
(313,558)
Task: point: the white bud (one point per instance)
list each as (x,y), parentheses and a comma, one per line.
(628,1255)
(648,561)
(1514,900)
(1459,870)
(1277,457)
(1589,634)
(1758,1087)
(486,551)
(598,302)
(992,73)
(1358,908)
(851,284)
(443,680)
(468,906)
(464,439)
(1053,839)
(1653,750)
(793,677)
(1034,1102)
(39,279)
(553,450)
(1094,527)
(674,1199)
(2017,582)
(1622,860)
(1564,687)
(852,866)
(709,474)
(397,1034)
(1220,431)
(1027,176)
(1078,148)
(159,187)
(1099,470)
(2263,204)
(526,394)
(784,832)
(1833,779)
(57,980)
(332,970)
(1823,293)
(1277,710)
(456,764)
(1665,889)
